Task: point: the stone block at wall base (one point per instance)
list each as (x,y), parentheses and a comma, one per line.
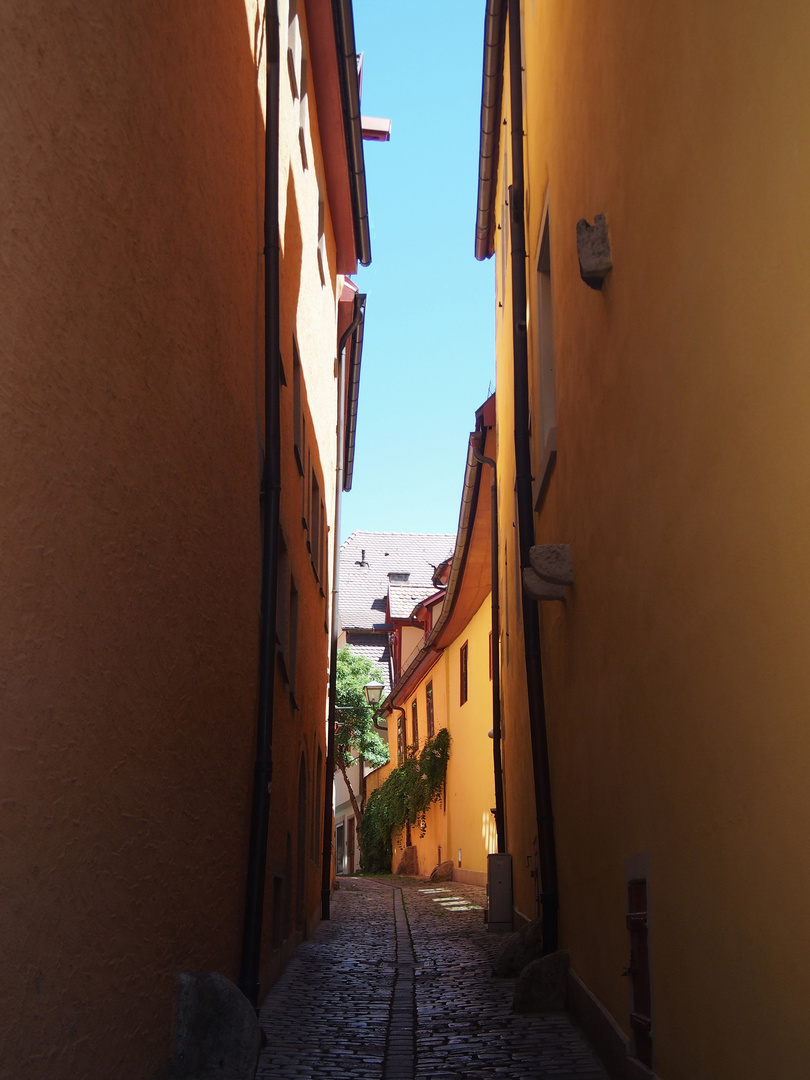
(442,872)
(542,985)
(519,949)
(409,863)
(218,1033)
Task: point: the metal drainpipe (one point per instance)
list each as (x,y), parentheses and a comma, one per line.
(500,825)
(263,771)
(326,863)
(523,479)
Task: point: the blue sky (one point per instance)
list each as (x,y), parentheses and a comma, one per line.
(428,354)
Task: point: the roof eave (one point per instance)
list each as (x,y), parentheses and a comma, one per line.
(491,98)
(353,392)
(353,124)
(429,653)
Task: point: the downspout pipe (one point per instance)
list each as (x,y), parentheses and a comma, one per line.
(263,770)
(549,898)
(500,824)
(326,863)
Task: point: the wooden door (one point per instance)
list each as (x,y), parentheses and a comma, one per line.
(350,845)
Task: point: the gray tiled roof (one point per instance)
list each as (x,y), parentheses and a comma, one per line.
(373,647)
(364,580)
(402,599)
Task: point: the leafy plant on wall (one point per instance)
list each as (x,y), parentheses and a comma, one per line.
(403,801)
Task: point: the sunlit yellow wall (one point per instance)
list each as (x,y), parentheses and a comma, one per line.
(434,843)
(470,773)
(676,670)
(463,819)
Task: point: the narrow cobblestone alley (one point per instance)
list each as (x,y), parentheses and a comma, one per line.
(397,985)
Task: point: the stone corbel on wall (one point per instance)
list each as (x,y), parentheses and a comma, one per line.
(551,571)
(593,249)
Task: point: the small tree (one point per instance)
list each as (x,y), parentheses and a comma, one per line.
(354,720)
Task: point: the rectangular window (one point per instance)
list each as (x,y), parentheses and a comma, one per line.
(315,524)
(429,699)
(283,623)
(415,721)
(400,738)
(293,639)
(322,555)
(316,816)
(298,411)
(278,912)
(544,420)
(462,658)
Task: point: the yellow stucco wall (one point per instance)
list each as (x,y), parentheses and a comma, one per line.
(676,676)
(462,821)
(132,405)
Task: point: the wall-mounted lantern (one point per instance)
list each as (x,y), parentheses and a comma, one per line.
(373,691)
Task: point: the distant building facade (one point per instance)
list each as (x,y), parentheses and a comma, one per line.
(382,578)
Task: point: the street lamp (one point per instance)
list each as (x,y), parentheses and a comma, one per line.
(373,691)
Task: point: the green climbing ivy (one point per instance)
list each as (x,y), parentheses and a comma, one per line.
(404,798)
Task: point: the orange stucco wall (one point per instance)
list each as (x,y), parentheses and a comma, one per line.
(132,419)
(675,671)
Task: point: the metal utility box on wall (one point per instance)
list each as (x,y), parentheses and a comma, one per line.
(499,892)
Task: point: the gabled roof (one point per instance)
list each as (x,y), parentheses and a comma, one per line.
(469,582)
(373,647)
(402,599)
(366,560)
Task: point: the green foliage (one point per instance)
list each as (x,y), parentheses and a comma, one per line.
(404,798)
(354,717)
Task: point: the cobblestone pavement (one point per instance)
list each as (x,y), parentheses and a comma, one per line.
(397,985)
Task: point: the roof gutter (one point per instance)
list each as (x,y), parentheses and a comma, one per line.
(429,653)
(353,392)
(352,123)
(491,97)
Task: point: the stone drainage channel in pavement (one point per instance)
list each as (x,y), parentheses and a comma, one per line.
(397,985)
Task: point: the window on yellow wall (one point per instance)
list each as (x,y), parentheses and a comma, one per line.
(463,660)
(400,738)
(431,726)
(415,722)
(544,406)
